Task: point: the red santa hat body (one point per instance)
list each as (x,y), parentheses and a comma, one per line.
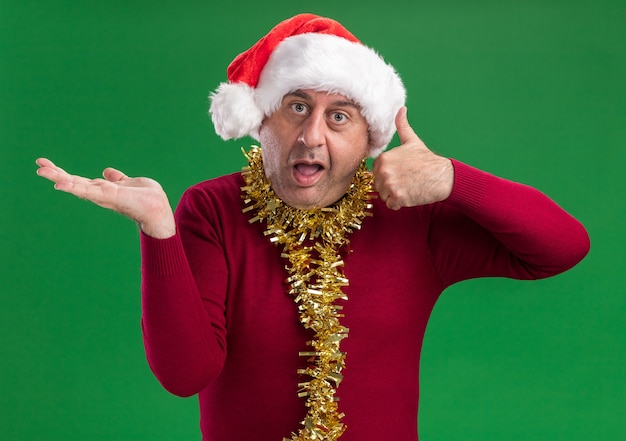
(307,52)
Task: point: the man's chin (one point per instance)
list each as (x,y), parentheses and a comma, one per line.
(306,199)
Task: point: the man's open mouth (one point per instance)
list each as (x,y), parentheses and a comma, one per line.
(308,169)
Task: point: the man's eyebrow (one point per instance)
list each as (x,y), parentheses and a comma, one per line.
(347,104)
(339,103)
(300,94)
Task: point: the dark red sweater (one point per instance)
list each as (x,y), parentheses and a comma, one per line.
(218,322)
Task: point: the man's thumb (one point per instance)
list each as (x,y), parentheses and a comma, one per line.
(404,129)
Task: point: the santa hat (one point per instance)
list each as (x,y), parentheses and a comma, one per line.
(307,52)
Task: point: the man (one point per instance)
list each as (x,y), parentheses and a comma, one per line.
(292,297)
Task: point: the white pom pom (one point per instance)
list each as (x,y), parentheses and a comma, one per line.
(234,111)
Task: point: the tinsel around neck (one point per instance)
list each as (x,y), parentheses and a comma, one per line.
(312,241)
(331,224)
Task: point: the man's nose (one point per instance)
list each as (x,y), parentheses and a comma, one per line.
(314,130)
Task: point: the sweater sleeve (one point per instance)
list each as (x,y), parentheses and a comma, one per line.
(493,227)
(184,331)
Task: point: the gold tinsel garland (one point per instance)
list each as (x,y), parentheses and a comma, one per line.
(312,241)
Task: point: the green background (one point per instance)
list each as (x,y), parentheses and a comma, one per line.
(533,91)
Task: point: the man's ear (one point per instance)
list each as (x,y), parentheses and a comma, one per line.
(369,144)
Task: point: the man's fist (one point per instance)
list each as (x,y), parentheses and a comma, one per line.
(410,174)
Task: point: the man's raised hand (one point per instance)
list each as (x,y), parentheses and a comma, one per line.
(141,199)
(411,174)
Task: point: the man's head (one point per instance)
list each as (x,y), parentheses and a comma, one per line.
(314,53)
(319,102)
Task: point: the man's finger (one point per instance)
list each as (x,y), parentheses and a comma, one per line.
(113,175)
(47,169)
(44,162)
(97,191)
(394,206)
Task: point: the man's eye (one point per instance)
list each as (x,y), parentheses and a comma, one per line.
(298,107)
(338,117)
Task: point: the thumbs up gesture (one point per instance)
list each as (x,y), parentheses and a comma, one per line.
(411,174)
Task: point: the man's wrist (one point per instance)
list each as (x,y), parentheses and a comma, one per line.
(162,230)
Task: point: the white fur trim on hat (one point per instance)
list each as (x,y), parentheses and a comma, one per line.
(234,111)
(322,62)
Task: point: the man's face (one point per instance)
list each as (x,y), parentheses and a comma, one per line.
(312,146)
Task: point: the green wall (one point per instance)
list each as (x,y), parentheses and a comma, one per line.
(534,91)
